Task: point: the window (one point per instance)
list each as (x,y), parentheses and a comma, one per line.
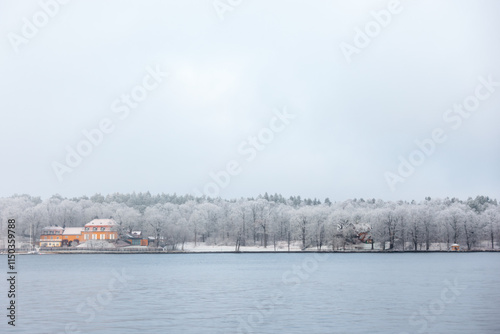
(112,236)
(103,236)
(51,238)
(94,229)
(94,236)
(103,229)
(86,229)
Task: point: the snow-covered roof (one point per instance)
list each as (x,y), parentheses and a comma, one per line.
(72,230)
(102,222)
(135,234)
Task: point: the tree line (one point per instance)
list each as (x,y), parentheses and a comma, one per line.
(269,220)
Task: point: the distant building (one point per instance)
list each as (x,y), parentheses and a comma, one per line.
(72,236)
(97,229)
(455,247)
(100,229)
(51,236)
(363,233)
(365,237)
(135,239)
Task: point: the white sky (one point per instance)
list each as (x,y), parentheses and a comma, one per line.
(227,76)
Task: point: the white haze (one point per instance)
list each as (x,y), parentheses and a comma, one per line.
(227,76)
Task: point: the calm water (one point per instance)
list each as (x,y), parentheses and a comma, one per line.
(257,293)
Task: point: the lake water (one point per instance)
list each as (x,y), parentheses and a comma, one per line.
(257,293)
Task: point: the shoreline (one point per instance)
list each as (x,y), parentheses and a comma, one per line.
(69,252)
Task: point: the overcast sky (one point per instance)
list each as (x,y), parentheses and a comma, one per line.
(355,104)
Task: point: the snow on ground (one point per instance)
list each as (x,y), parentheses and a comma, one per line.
(203,247)
(96,244)
(297,246)
(136,247)
(281,246)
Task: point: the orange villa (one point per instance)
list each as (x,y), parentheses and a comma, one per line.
(51,236)
(97,229)
(72,236)
(100,229)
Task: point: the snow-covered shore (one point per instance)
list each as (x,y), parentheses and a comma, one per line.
(280,247)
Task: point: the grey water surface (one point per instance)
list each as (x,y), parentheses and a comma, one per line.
(257,293)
